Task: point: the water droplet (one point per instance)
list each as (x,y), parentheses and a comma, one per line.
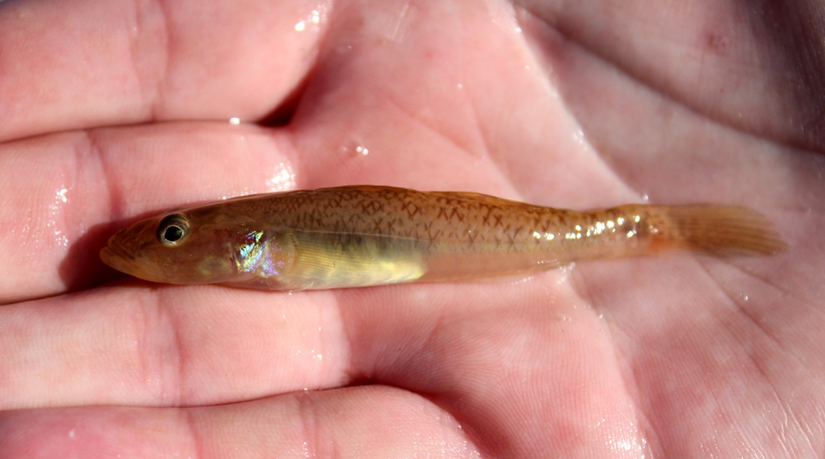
(355,149)
(645,197)
(578,137)
(311,21)
(55,208)
(282,178)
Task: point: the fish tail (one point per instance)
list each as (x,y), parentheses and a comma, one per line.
(720,230)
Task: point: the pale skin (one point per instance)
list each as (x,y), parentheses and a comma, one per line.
(112,111)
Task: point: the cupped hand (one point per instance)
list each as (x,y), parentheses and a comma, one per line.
(112,111)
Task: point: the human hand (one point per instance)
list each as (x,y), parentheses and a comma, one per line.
(114,111)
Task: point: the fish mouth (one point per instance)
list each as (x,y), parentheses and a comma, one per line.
(117,258)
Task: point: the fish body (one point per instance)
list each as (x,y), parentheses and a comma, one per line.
(359,236)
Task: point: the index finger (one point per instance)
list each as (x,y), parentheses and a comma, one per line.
(77,64)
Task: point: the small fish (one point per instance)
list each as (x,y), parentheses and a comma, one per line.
(358,236)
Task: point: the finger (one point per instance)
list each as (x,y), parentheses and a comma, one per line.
(143,345)
(78,64)
(486,361)
(375,421)
(73,202)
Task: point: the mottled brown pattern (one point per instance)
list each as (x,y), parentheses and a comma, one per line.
(446,221)
(458,222)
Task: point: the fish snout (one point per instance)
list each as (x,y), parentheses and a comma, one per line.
(117,256)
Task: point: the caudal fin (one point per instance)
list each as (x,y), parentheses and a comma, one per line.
(722,230)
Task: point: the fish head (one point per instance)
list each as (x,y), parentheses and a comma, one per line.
(175,248)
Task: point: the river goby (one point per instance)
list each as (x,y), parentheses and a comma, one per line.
(357,236)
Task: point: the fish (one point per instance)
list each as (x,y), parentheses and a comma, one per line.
(364,235)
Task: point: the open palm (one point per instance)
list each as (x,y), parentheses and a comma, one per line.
(112,111)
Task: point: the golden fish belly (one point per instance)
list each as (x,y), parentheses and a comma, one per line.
(333,260)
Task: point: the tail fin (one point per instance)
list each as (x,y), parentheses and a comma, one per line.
(721,230)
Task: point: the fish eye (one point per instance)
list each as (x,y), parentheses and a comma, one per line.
(172,230)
